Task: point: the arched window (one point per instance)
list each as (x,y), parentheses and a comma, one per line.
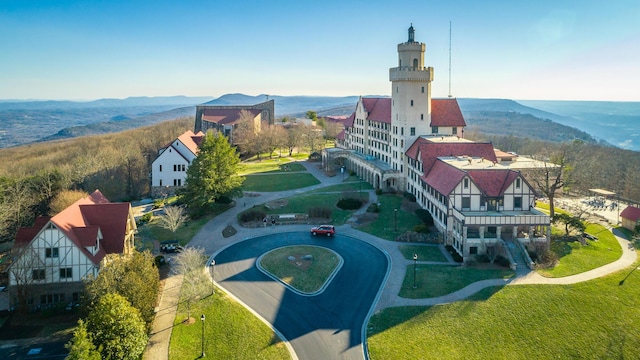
(415,63)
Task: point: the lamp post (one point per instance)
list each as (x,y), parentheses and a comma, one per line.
(395,219)
(415,260)
(213,281)
(202,319)
(360,192)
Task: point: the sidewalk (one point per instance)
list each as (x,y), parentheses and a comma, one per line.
(210,238)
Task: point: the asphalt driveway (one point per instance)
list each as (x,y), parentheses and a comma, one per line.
(326,326)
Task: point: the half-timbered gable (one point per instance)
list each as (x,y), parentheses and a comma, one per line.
(57,254)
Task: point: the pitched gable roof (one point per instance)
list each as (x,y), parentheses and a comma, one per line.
(226,116)
(493,182)
(446,112)
(444,177)
(631,212)
(378,109)
(191,141)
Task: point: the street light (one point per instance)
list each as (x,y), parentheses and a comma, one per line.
(213,281)
(395,219)
(415,259)
(202,319)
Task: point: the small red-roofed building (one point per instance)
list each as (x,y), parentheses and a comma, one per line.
(52,258)
(169,169)
(630,217)
(225,118)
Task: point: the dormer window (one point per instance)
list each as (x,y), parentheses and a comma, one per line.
(518,183)
(465,183)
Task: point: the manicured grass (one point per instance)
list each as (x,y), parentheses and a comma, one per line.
(424,252)
(307,276)
(152,231)
(353,187)
(231,332)
(438,280)
(302,203)
(270,166)
(576,258)
(384,226)
(278,182)
(593,320)
(544,207)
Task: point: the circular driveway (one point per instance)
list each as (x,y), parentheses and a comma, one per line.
(325,326)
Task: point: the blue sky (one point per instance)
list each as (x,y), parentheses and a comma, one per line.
(558,50)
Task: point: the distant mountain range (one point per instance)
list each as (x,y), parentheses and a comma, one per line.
(29,121)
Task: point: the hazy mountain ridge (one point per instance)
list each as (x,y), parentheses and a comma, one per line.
(28,121)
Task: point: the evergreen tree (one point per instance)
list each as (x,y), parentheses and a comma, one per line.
(212,173)
(81,346)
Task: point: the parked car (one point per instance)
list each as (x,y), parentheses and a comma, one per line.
(328,230)
(170,248)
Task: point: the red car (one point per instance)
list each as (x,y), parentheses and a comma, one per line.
(328,230)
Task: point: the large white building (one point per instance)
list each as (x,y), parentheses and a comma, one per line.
(169,169)
(411,142)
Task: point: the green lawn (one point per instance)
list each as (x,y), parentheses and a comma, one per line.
(544,207)
(593,320)
(385,226)
(302,203)
(278,182)
(352,187)
(438,280)
(231,332)
(308,276)
(270,166)
(424,252)
(577,258)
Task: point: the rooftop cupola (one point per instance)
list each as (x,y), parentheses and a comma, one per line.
(412,34)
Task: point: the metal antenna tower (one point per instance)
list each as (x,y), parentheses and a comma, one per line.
(450,59)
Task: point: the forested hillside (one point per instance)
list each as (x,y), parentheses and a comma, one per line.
(118,164)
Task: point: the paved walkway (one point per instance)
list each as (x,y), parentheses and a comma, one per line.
(210,238)
(158,345)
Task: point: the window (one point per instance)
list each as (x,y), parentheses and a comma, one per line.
(413,131)
(402,131)
(160,182)
(434,129)
(421,116)
(466,203)
(51,298)
(160,168)
(174,167)
(423,89)
(37,274)
(473,250)
(411,102)
(465,183)
(177,182)
(517,202)
(454,130)
(52,252)
(66,273)
(517,183)
(183,167)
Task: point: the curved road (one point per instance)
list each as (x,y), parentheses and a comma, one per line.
(325,326)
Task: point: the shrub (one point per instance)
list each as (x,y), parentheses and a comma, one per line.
(252,215)
(145,218)
(483,258)
(421,228)
(373,208)
(224,199)
(320,212)
(502,261)
(349,204)
(378,191)
(158,203)
(425,216)
(454,254)
(409,196)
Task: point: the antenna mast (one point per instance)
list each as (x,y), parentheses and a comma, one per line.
(450,59)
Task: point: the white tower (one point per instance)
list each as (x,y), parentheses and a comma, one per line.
(410,100)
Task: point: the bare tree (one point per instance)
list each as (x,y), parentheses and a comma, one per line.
(26,267)
(293,139)
(190,264)
(312,136)
(553,175)
(494,250)
(174,217)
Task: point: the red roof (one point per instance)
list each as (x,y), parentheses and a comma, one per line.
(379,109)
(631,213)
(430,151)
(493,182)
(191,141)
(349,121)
(446,112)
(226,116)
(444,177)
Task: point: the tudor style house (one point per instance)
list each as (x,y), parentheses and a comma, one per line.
(411,142)
(225,118)
(169,169)
(55,255)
